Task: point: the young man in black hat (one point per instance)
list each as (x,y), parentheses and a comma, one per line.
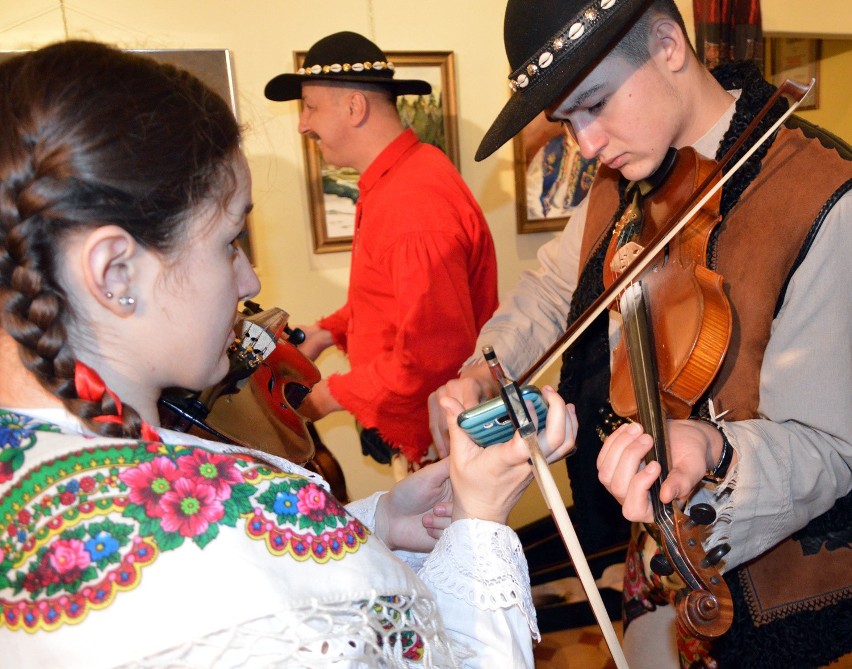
(770,443)
(424,273)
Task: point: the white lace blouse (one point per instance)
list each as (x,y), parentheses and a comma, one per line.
(117,553)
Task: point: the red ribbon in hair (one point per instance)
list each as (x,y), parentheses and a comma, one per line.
(90,386)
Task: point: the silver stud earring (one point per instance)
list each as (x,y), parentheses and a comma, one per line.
(108,295)
(126,301)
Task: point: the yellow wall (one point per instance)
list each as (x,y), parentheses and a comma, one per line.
(834,109)
(262,34)
(828,18)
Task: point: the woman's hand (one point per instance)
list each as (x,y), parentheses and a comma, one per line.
(695,447)
(487,482)
(417,510)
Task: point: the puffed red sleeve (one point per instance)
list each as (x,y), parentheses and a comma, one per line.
(337,324)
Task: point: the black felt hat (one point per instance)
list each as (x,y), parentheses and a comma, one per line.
(551,44)
(344,56)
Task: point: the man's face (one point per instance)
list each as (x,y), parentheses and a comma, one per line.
(627,116)
(324,119)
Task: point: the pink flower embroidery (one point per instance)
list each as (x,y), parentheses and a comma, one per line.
(69,554)
(190,508)
(149,482)
(214,469)
(313,502)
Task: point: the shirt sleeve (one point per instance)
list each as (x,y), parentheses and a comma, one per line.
(534,315)
(796,461)
(435,328)
(337,324)
(478,575)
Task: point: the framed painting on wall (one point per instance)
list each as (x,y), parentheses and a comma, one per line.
(797,59)
(333,191)
(551,177)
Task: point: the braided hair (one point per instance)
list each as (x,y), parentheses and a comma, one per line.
(91,136)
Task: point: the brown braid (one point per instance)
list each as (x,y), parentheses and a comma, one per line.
(92,136)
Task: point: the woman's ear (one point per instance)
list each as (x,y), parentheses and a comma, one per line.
(109,255)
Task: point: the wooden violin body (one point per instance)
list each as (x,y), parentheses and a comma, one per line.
(690,316)
(259,409)
(676,324)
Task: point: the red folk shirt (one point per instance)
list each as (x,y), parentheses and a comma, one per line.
(423,281)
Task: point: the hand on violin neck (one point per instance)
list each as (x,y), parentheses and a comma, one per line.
(694,445)
(319,403)
(695,448)
(316,341)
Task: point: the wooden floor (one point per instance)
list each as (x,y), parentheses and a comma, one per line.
(579,648)
(585,648)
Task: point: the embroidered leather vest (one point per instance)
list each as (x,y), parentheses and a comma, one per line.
(760,241)
(764,236)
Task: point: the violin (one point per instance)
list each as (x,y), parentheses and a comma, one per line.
(256,404)
(677,325)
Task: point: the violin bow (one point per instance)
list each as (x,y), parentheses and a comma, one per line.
(797,92)
(522,421)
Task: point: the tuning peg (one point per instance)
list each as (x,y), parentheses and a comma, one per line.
(702,514)
(715,554)
(294,335)
(661,566)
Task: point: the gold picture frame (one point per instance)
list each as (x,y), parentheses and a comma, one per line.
(333,191)
(795,58)
(551,176)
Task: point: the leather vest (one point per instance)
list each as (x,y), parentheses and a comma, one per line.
(759,244)
(763,238)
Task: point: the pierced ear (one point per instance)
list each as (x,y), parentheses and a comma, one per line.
(109,253)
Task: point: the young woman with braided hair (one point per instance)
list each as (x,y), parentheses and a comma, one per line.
(123,191)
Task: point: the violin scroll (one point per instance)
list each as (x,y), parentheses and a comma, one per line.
(707,610)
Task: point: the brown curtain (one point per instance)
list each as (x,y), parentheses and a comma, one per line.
(727,30)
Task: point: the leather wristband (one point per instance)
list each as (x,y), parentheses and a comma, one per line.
(720,471)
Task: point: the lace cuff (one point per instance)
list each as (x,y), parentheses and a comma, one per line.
(365,510)
(482,563)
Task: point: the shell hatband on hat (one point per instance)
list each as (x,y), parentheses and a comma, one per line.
(581,26)
(337,68)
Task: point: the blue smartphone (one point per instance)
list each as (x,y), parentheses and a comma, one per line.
(489,423)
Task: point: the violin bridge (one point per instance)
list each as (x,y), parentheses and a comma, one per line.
(624,255)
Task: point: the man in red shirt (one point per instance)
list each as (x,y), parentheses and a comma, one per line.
(423,279)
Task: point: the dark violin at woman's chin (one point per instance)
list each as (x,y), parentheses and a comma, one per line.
(260,410)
